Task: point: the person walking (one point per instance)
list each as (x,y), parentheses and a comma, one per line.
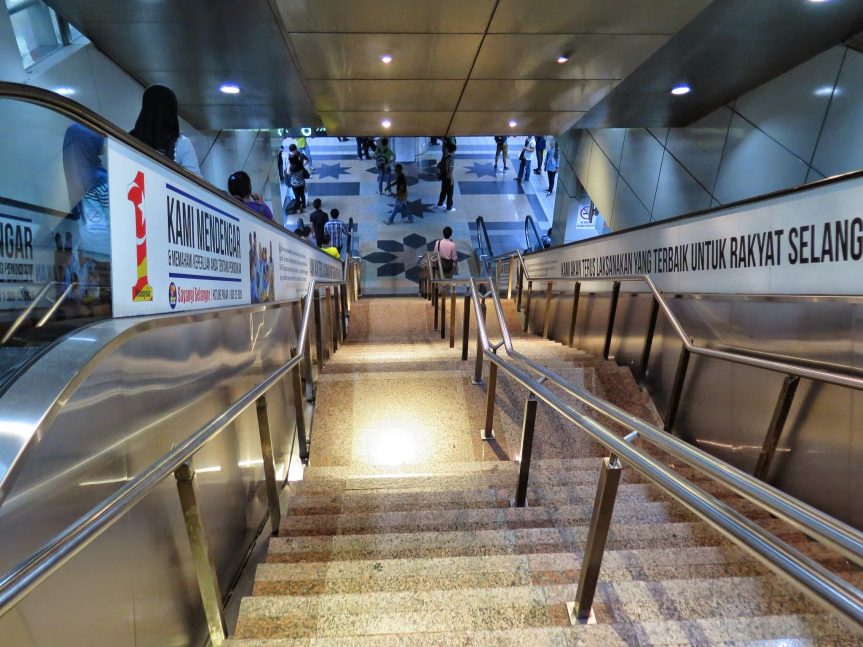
(384,157)
(446,252)
(303,145)
(240,186)
(526,158)
(336,230)
(502,149)
(318,218)
(447,183)
(552,164)
(401,205)
(297,175)
(540,151)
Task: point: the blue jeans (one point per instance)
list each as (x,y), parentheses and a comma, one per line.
(308,153)
(524,167)
(401,206)
(383,176)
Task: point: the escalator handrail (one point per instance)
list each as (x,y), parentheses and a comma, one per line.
(482,236)
(94,121)
(774,365)
(21,580)
(528,220)
(826,587)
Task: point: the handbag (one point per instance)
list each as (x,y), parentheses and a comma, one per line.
(306,174)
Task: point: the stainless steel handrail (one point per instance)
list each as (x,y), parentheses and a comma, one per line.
(16,584)
(840,536)
(827,588)
(528,220)
(789,368)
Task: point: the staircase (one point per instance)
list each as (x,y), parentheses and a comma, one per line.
(402,530)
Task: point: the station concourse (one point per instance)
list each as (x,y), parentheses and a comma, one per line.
(488,323)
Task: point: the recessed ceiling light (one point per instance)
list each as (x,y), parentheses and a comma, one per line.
(386,123)
(386,59)
(66,92)
(563,58)
(513,124)
(229,88)
(679,90)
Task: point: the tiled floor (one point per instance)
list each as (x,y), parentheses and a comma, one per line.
(390,252)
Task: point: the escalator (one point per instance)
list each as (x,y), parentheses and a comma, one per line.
(533,241)
(138,302)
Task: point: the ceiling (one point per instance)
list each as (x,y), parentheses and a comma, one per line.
(459,66)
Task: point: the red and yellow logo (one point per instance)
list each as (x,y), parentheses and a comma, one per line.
(141,291)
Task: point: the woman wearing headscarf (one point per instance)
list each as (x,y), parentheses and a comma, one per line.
(158,126)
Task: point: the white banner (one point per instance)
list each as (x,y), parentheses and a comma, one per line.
(809,242)
(177,247)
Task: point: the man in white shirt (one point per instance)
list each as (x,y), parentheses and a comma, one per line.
(526,158)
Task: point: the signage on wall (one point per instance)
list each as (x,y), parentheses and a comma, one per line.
(585,220)
(177,247)
(809,242)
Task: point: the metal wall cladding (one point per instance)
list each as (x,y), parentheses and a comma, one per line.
(136,582)
(726,408)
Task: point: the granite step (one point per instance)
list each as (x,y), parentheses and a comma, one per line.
(514,607)
(449,573)
(809,630)
(510,541)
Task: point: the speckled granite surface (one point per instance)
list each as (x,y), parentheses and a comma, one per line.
(403,532)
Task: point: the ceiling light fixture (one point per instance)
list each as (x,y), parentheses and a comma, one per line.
(386,59)
(66,92)
(386,123)
(513,124)
(229,88)
(563,58)
(680,90)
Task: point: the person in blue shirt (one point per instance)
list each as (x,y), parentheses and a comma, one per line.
(240,186)
(552,164)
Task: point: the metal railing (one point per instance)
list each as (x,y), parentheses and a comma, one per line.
(530,226)
(792,369)
(24,315)
(27,575)
(827,588)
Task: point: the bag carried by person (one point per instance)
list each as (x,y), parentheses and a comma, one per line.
(448,265)
(306,174)
(298,179)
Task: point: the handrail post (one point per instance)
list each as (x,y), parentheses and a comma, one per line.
(205,570)
(299,412)
(527,306)
(319,334)
(615,295)
(527,425)
(343,293)
(476,380)
(442,298)
(576,294)
(452,295)
(269,463)
(509,277)
(309,373)
(547,314)
(648,342)
(331,321)
(777,424)
(597,535)
(435,287)
(677,389)
(465,330)
(497,270)
(487,432)
(520,283)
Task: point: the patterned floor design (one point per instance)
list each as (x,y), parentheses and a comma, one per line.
(390,252)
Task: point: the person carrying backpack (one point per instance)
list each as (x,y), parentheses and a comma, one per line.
(384,157)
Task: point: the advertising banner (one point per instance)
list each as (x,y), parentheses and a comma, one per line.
(178,247)
(809,242)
